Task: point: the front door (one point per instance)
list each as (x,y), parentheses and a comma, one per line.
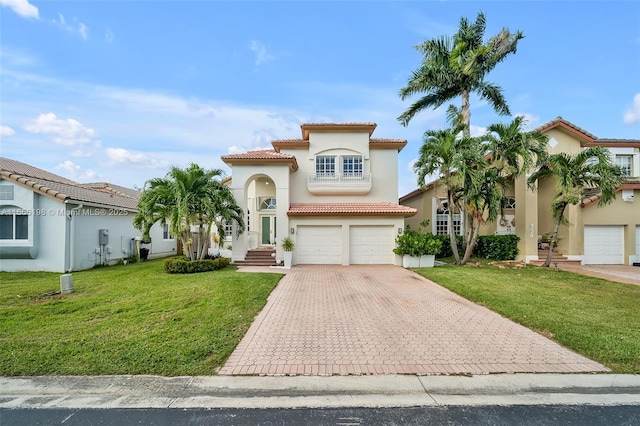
(268,232)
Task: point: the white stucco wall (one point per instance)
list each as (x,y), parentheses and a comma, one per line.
(47,230)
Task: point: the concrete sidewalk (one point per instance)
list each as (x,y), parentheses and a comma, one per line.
(313,391)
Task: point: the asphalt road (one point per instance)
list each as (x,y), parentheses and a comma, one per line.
(565,415)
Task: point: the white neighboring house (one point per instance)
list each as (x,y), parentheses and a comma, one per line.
(334,191)
(50,223)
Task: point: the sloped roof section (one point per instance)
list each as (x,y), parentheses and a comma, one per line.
(63,189)
(567,126)
(260,156)
(337,127)
(350,209)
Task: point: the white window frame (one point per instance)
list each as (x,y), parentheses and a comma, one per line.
(166,233)
(625,162)
(228,230)
(271,203)
(325,166)
(440,213)
(353,165)
(14,226)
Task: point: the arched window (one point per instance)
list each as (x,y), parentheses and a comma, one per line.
(268,204)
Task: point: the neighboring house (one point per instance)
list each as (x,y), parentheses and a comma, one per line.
(596,235)
(334,191)
(50,223)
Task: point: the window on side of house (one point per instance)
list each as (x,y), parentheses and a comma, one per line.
(6,192)
(442,220)
(325,166)
(352,165)
(228,229)
(14,227)
(625,162)
(166,232)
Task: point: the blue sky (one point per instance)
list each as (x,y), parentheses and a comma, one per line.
(118,91)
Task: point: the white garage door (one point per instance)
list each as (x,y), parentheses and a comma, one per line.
(603,245)
(319,245)
(371,245)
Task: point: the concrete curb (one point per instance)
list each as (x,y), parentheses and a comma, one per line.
(314,391)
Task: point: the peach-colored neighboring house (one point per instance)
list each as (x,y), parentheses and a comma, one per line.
(51,223)
(334,191)
(596,235)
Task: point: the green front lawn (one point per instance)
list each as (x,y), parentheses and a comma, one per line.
(131,319)
(594,317)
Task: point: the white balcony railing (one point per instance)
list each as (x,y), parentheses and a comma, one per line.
(347,179)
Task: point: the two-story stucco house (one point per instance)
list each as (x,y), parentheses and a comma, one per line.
(334,192)
(596,235)
(51,223)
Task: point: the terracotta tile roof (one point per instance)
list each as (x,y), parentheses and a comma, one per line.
(561,122)
(347,124)
(266,154)
(28,170)
(253,157)
(64,189)
(307,127)
(618,143)
(350,209)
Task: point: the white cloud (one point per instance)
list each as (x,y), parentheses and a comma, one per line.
(531,120)
(73,27)
(477,130)
(6,131)
(22,8)
(261,52)
(67,132)
(632,114)
(108,35)
(121,156)
(75,172)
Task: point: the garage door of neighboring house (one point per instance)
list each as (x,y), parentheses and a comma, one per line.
(371,245)
(319,245)
(603,245)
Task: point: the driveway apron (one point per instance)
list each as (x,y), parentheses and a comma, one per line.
(375,319)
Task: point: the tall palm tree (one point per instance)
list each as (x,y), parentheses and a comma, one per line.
(457,66)
(591,168)
(185,198)
(445,154)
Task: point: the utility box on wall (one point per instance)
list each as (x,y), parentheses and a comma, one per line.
(103,237)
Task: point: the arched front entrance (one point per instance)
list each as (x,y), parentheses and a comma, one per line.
(262,203)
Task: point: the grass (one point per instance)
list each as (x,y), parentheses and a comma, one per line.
(131,319)
(597,318)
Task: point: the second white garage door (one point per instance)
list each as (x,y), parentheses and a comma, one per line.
(319,245)
(371,245)
(603,245)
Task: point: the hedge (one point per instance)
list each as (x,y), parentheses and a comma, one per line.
(181,265)
(497,247)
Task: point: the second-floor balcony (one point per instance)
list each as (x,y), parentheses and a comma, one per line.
(339,183)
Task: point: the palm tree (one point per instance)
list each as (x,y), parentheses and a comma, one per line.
(457,66)
(508,151)
(185,198)
(445,154)
(591,168)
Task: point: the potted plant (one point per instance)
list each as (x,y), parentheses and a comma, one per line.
(288,245)
(418,249)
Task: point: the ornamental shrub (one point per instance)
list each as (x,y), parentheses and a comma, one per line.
(498,247)
(414,242)
(446,245)
(181,265)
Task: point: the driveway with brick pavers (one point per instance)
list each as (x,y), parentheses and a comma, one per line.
(325,320)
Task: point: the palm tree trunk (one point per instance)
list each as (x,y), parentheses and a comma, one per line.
(554,237)
(452,235)
(471,244)
(465,111)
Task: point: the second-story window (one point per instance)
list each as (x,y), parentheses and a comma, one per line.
(325,166)
(625,163)
(352,165)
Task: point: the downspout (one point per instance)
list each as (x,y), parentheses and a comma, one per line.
(72,235)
